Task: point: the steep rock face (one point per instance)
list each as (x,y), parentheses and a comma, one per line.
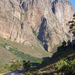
(19,18)
(12,25)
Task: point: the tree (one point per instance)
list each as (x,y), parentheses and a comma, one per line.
(26,65)
(72,25)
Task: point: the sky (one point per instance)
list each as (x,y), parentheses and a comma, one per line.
(73,3)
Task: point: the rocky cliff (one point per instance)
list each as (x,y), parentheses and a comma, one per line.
(23,21)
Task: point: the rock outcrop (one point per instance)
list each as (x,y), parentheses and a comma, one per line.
(21,19)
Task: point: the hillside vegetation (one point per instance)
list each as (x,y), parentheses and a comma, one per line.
(12,52)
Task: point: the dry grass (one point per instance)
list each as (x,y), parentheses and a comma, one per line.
(31,50)
(6,56)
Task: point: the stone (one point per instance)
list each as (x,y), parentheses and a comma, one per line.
(23,21)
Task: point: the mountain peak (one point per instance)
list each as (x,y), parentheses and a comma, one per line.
(21,20)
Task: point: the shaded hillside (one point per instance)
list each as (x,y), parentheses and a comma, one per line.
(63,61)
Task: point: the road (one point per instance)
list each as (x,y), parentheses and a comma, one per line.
(15,72)
(12,73)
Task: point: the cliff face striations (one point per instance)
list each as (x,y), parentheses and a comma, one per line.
(21,20)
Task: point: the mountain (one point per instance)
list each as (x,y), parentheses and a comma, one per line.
(28,21)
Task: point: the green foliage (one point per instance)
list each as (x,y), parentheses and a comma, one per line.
(27,65)
(70,21)
(67,24)
(31,15)
(66,66)
(61,63)
(39,42)
(73,18)
(55,31)
(36,36)
(16,66)
(74,15)
(6,67)
(34,31)
(26,16)
(67,36)
(55,47)
(22,55)
(72,25)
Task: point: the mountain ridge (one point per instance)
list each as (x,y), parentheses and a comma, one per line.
(47,18)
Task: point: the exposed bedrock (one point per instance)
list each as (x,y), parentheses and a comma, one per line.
(48,18)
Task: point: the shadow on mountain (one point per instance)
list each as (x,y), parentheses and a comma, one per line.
(44,59)
(42,28)
(65,49)
(53,8)
(42,31)
(35,64)
(48,65)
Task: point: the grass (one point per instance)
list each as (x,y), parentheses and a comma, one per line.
(26,16)
(20,52)
(6,56)
(19,20)
(51,66)
(36,37)
(31,15)
(68,36)
(33,50)
(55,31)
(22,55)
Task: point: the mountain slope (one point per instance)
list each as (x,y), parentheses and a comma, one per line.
(19,18)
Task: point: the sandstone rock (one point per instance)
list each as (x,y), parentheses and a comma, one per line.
(47,18)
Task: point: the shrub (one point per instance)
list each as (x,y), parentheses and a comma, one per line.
(66,66)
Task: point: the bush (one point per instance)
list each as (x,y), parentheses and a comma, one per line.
(68,67)
(16,66)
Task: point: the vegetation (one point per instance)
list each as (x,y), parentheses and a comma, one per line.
(68,36)
(27,65)
(36,36)
(11,51)
(36,52)
(26,15)
(55,31)
(63,61)
(17,65)
(22,55)
(34,31)
(66,66)
(72,25)
(31,15)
